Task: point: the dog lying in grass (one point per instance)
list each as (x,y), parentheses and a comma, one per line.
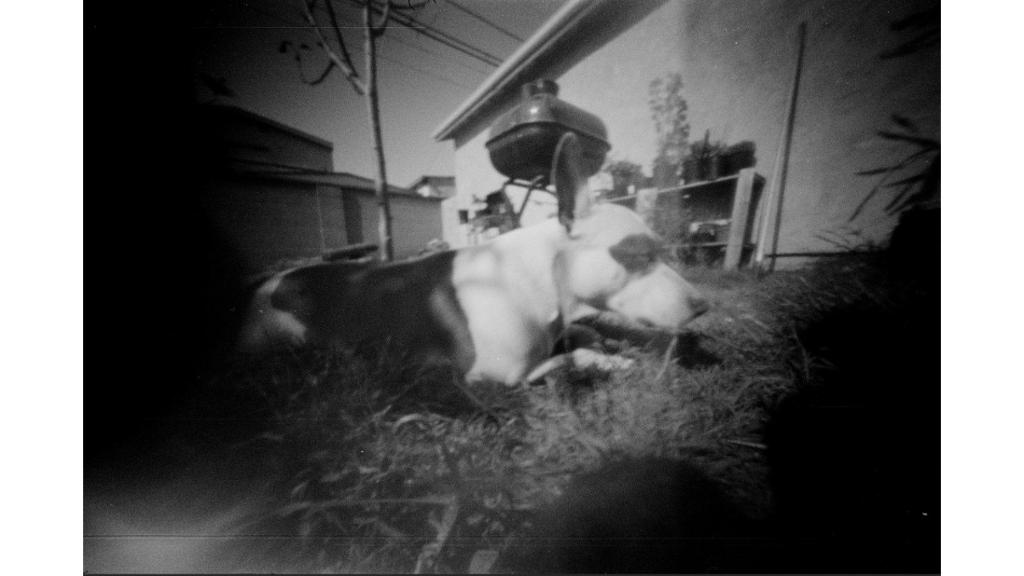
(494,311)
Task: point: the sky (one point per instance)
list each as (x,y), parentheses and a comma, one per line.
(421,81)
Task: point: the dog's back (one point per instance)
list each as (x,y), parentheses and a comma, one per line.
(410,306)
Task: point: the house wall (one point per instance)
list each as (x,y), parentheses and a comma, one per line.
(736,60)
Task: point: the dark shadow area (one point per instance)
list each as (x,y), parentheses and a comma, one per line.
(854,454)
(691,354)
(650,515)
(143,251)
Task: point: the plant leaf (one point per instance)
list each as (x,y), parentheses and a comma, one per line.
(907,188)
(874,171)
(905,123)
(927,143)
(908,180)
(918,197)
(921,42)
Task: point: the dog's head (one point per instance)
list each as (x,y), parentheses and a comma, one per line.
(612,260)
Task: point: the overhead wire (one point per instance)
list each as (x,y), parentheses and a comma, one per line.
(421,48)
(449,80)
(486,21)
(441,36)
(434,75)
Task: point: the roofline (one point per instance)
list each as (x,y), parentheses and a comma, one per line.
(309,178)
(428,177)
(560,24)
(275,124)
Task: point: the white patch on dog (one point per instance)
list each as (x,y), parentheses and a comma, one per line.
(266,325)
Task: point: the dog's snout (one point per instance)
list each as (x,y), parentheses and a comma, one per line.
(698,305)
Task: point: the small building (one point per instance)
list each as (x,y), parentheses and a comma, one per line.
(270,195)
(434,186)
(737,62)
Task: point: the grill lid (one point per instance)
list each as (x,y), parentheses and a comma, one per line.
(522,141)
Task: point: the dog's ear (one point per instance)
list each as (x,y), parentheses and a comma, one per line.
(570,182)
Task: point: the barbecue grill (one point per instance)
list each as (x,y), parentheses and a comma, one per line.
(522,142)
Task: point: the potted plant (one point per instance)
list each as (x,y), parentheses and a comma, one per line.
(706,160)
(669,112)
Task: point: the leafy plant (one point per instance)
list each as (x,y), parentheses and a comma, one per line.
(925,25)
(706,149)
(706,158)
(914,177)
(669,112)
(916,174)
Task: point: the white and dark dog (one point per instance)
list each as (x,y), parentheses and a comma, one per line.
(496,310)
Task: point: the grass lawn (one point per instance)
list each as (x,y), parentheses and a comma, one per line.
(795,430)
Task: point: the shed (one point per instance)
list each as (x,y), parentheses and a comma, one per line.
(269,195)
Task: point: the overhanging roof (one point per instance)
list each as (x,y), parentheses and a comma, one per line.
(574,31)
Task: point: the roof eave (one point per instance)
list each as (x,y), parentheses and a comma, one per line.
(562,23)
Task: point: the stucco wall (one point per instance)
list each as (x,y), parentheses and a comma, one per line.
(736,60)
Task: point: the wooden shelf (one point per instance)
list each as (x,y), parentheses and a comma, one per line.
(734,198)
(743,190)
(708,183)
(706,245)
(700,245)
(702,183)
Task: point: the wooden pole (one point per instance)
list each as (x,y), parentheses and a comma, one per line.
(738,225)
(772,215)
(372,102)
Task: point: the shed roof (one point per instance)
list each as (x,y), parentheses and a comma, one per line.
(261,119)
(343,180)
(436,180)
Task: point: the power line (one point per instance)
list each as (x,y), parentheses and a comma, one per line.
(430,32)
(424,71)
(442,78)
(452,42)
(442,37)
(421,48)
(504,31)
